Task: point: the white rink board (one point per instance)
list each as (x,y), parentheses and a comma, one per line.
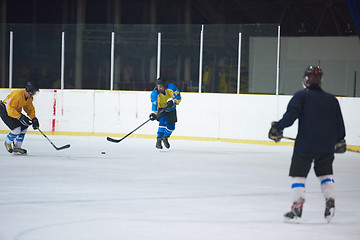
(244,117)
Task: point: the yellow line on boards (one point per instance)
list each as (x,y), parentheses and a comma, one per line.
(230,140)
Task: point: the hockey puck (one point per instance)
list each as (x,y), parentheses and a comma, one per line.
(102,152)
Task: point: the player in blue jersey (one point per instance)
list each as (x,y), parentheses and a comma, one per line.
(321,133)
(164,99)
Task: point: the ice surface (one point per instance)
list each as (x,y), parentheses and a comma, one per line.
(197,190)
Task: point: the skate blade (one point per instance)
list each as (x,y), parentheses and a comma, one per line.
(10,150)
(330,217)
(295,220)
(19,153)
(163,150)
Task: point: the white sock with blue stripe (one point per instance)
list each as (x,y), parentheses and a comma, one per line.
(298,188)
(12,135)
(327,186)
(20,138)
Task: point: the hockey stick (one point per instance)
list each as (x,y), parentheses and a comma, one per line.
(119,140)
(347,149)
(57,148)
(289,138)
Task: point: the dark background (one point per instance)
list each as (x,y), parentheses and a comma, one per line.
(37,27)
(296,17)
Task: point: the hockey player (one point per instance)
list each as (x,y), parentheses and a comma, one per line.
(321,133)
(164,99)
(11,113)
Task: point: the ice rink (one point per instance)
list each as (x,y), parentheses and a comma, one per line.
(197,190)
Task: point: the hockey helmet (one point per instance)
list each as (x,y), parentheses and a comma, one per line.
(162,81)
(313,75)
(32,87)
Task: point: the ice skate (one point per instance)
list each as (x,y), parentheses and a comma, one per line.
(329,209)
(20,151)
(8,147)
(166,142)
(294,215)
(158,143)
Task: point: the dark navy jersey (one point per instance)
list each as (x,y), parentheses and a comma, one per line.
(321,124)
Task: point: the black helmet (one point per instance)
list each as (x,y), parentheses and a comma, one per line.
(313,75)
(162,81)
(31,87)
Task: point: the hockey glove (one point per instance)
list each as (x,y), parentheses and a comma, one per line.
(340,147)
(170,103)
(24,120)
(274,133)
(153,116)
(35,123)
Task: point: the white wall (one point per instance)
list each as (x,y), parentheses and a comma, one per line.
(262,64)
(339,58)
(230,116)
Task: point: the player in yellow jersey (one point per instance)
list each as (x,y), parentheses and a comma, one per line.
(164,99)
(11,113)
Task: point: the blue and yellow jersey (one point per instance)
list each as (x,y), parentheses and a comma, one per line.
(16,101)
(158,100)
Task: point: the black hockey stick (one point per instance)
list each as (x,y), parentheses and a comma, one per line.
(57,148)
(289,138)
(119,140)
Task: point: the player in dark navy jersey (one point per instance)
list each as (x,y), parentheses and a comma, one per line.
(321,133)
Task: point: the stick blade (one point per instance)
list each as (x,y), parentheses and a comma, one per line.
(113,140)
(353,150)
(63,147)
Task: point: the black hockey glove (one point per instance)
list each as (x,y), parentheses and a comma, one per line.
(153,116)
(274,133)
(170,103)
(35,123)
(24,120)
(340,147)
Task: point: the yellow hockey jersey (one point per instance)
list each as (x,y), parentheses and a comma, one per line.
(159,100)
(16,101)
